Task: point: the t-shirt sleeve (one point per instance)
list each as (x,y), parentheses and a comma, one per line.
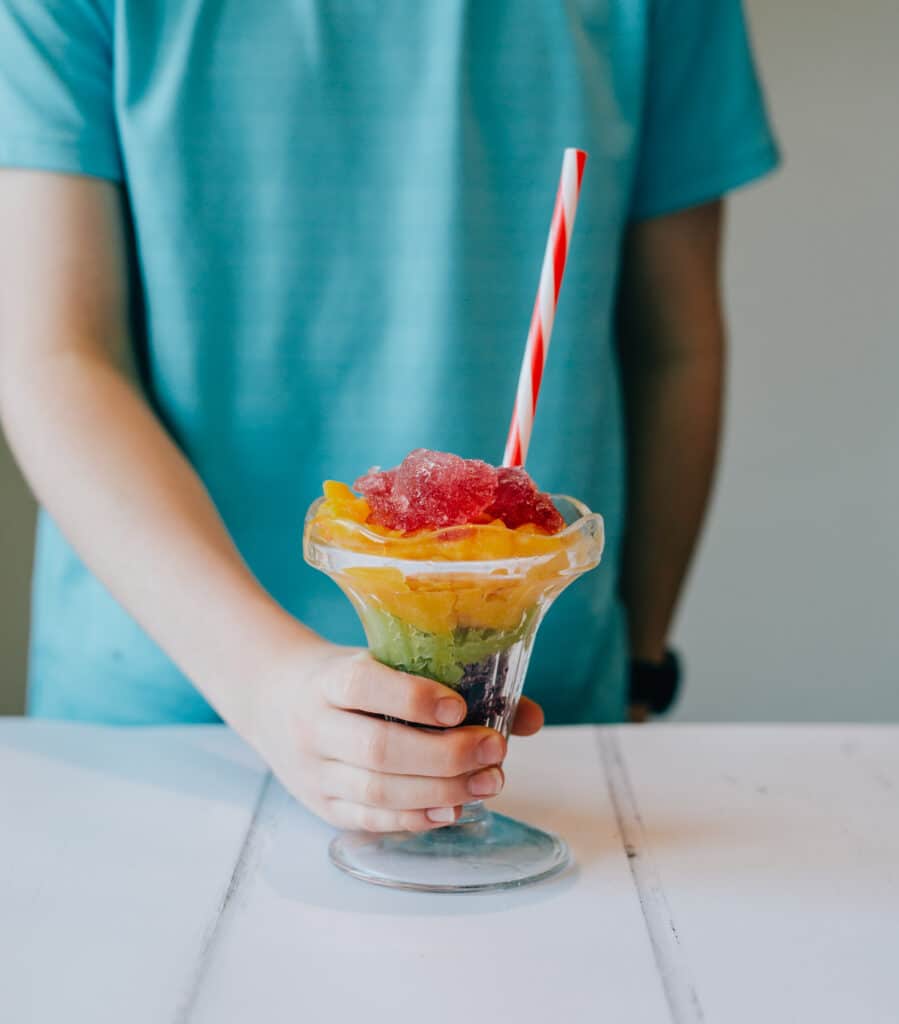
(704,128)
(56,87)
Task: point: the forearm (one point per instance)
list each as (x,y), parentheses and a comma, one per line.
(671,346)
(139,516)
(674,414)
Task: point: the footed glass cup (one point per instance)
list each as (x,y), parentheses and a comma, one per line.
(469,624)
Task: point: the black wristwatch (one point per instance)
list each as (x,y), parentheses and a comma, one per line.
(655,684)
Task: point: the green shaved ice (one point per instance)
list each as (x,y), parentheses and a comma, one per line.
(439,656)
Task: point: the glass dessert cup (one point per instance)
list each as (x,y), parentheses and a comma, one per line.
(469,624)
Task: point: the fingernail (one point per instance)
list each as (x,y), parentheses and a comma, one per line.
(441,815)
(449,711)
(491,750)
(486,783)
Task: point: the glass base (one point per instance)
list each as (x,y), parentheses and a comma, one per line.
(489,852)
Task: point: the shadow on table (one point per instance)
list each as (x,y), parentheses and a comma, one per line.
(196,760)
(293,861)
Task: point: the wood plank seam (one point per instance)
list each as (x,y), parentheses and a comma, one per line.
(680,991)
(244,858)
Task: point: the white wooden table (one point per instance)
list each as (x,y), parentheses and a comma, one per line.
(724,874)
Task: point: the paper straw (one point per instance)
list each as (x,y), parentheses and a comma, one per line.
(537,346)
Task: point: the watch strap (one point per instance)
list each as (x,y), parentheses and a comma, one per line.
(656,684)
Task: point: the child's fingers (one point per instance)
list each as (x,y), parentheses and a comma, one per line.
(360,817)
(528,718)
(406,792)
(360,683)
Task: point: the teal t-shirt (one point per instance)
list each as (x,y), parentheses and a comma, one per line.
(339,211)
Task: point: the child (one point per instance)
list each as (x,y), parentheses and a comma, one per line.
(287,242)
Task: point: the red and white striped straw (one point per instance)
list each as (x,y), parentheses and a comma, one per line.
(545,307)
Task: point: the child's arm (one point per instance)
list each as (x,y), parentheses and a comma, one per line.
(131,504)
(672,343)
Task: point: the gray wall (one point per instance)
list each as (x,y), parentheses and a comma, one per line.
(793,610)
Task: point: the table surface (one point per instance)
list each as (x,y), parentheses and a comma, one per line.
(723,873)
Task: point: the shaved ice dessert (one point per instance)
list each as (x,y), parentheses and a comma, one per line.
(451,564)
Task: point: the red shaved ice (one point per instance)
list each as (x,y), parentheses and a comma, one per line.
(433,490)
(518,502)
(377,489)
(428,490)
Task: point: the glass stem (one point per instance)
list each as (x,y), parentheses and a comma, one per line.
(471,813)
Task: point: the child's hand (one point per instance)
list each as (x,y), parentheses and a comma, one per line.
(314,726)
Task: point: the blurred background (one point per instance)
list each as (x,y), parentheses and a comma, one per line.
(792,612)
